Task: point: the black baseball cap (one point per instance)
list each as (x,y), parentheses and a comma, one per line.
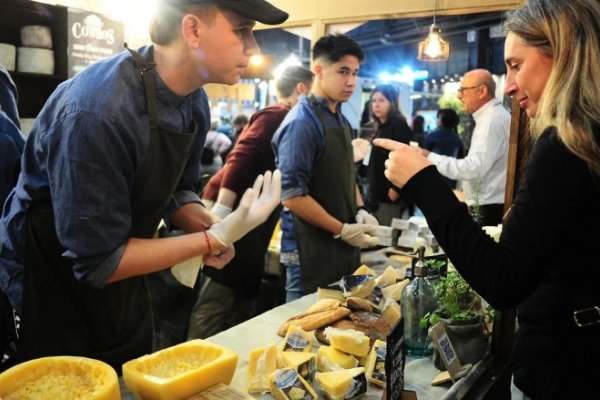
(256,10)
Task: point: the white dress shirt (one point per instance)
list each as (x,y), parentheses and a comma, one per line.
(486,161)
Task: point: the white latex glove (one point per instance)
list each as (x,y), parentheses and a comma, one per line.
(220,210)
(363,217)
(359,235)
(254,209)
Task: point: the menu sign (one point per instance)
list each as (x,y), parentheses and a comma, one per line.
(394,362)
(91,37)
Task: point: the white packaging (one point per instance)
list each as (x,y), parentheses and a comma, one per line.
(38,36)
(39,61)
(8,54)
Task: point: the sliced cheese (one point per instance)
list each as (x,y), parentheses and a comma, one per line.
(287,384)
(375,367)
(262,363)
(331,359)
(296,339)
(391,312)
(343,384)
(364,270)
(302,362)
(389,277)
(348,340)
(395,291)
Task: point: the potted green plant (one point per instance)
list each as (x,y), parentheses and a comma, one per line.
(460,312)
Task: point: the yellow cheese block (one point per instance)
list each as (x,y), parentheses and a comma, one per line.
(262,363)
(343,384)
(60,378)
(389,277)
(364,270)
(348,340)
(296,339)
(180,371)
(303,362)
(331,359)
(375,369)
(287,384)
(395,291)
(391,312)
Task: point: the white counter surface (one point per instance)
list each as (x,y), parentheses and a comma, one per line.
(262,330)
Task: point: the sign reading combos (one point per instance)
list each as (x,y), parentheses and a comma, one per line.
(91,37)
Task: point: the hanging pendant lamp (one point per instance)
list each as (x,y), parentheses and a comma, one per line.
(433,48)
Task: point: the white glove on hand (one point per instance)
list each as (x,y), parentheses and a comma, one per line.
(359,235)
(363,217)
(254,209)
(220,210)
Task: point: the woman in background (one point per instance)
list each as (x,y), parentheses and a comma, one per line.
(382,197)
(542,265)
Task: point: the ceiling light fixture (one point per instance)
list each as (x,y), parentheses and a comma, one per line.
(433,48)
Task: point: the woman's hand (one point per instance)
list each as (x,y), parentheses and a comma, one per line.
(403,161)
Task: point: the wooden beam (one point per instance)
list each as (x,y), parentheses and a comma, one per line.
(303,13)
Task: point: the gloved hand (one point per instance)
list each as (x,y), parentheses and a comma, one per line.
(359,235)
(254,209)
(220,210)
(364,217)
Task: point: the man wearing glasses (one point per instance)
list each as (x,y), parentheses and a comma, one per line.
(483,170)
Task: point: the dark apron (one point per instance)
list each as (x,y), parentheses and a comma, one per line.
(62,316)
(323,259)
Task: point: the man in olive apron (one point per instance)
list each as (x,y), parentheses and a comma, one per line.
(325,223)
(115,150)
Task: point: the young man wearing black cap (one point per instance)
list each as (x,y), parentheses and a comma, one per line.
(115,150)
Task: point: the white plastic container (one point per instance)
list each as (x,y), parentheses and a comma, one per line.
(39,61)
(8,54)
(36,36)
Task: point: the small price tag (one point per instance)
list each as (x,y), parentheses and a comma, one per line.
(447,353)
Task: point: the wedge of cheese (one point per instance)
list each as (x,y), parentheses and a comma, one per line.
(358,285)
(262,363)
(287,384)
(331,359)
(323,293)
(389,277)
(375,367)
(343,384)
(303,362)
(395,291)
(364,270)
(391,312)
(349,341)
(296,339)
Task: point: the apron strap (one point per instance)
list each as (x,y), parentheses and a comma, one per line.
(147,65)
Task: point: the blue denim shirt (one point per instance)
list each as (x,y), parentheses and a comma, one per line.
(11,139)
(297,144)
(83,153)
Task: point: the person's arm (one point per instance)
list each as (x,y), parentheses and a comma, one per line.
(312,212)
(489,138)
(252,154)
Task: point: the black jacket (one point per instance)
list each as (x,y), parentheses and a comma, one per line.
(546,265)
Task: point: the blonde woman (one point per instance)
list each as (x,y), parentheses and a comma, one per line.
(544,264)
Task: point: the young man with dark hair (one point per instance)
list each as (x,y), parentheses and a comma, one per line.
(115,150)
(325,223)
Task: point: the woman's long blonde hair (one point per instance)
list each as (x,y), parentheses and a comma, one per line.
(569,32)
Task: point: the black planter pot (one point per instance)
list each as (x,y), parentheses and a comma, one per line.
(468,338)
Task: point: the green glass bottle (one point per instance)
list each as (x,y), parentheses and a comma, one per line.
(418,299)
